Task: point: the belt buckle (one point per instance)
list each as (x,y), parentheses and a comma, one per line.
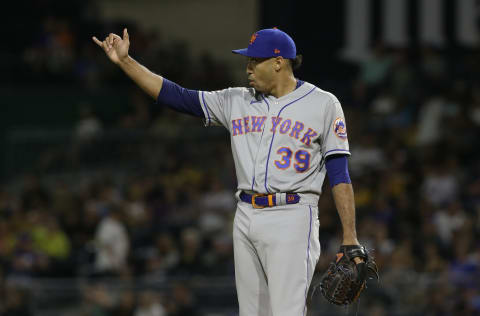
(253,201)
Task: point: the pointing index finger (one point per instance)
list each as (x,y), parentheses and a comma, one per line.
(98,42)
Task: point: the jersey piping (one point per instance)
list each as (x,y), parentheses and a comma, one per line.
(308,258)
(339,150)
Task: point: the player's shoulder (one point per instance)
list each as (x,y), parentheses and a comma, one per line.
(324,97)
(240,93)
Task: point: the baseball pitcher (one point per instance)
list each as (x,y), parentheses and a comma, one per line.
(286,136)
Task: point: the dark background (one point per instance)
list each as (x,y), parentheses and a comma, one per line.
(91,166)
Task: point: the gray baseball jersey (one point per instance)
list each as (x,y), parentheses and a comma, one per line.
(279,145)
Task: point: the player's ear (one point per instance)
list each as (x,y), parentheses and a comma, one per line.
(279,63)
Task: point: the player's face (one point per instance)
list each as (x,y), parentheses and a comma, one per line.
(260,72)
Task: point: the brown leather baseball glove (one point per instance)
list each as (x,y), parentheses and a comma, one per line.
(345,280)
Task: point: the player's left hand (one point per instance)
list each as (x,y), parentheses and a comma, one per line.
(353,242)
(358,260)
(346,277)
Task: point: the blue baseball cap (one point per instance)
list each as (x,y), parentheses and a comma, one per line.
(268,43)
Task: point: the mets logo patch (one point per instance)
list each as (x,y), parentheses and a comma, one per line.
(340,128)
(253,38)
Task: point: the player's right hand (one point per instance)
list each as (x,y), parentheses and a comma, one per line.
(115,46)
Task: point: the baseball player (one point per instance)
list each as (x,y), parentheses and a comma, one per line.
(286,136)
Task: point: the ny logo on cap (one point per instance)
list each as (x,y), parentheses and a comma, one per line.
(253,38)
(276,51)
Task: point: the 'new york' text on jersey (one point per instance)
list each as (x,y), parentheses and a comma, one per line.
(279,144)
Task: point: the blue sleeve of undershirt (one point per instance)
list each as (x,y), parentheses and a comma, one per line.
(337,169)
(180,99)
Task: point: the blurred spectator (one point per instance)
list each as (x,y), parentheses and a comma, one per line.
(464,268)
(163,257)
(182,302)
(218,197)
(7,241)
(126,305)
(51,240)
(8,203)
(149,305)
(366,156)
(211,221)
(191,257)
(98,300)
(440,185)
(382,244)
(377,67)
(15,302)
(435,263)
(448,221)
(403,77)
(219,260)
(26,262)
(475,105)
(88,126)
(139,116)
(429,121)
(433,65)
(34,195)
(112,242)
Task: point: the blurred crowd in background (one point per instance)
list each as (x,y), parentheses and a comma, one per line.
(160,211)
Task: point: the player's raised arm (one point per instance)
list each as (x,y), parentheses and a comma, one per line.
(159,88)
(116,48)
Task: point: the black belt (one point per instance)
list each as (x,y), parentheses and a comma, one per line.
(268,200)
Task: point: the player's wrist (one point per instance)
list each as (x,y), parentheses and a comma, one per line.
(124,61)
(349,240)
